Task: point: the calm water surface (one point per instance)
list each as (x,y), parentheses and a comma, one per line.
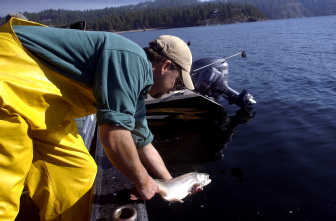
(281,165)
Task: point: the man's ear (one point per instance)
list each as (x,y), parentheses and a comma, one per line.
(165,65)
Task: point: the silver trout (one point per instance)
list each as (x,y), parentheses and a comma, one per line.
(175,190)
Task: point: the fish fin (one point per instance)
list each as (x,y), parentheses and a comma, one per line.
(180,201)
(176,201)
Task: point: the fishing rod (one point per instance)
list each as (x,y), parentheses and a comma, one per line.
(213,82)
(222,60)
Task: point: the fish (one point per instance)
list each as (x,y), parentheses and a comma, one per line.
(176,189)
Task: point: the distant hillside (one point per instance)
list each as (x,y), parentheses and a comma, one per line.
(157,14)
(291,8)
(179,13)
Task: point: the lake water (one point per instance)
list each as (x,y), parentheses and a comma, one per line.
(285,156)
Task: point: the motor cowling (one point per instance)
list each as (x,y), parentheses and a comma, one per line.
(210,77)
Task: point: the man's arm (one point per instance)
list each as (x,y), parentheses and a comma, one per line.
(152,160)
(121,151)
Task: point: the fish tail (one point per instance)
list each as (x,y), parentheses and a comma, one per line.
(162,188)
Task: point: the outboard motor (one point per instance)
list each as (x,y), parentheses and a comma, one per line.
(210,77)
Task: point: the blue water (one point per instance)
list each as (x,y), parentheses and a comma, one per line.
(285,156)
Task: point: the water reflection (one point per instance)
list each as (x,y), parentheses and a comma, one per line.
(193,131)
(237,173)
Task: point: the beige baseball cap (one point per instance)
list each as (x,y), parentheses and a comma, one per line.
(178,51)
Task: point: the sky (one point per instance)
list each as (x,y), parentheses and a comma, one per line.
(14,6)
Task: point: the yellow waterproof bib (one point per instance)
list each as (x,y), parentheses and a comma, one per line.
(40,144)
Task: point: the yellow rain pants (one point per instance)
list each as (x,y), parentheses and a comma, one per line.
(40,146)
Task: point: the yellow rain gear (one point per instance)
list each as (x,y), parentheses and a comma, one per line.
(40,146)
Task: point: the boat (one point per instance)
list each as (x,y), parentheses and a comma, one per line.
(194,127)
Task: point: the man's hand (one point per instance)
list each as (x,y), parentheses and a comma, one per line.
(121,151)
(196,189)
(147,190)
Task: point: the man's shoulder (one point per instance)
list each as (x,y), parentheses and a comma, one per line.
(120,43)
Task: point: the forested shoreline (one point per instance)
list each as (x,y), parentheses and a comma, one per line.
(150,16)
